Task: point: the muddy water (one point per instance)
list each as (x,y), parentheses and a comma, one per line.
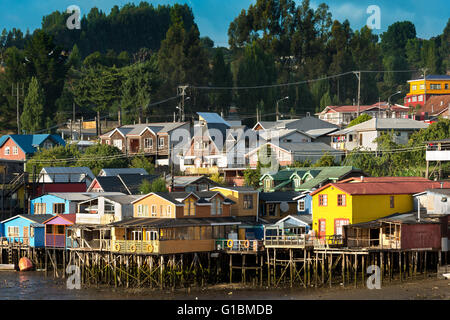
(34,285)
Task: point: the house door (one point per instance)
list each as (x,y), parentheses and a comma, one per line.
(322,228)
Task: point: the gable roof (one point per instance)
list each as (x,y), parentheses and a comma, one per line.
(384,124)
(383,188)
(132,182)
(110,184)
(60,172)
(35,218)
(212,117)
(177,197)
(285,196)
(435,105)
(29,142)
(183,181)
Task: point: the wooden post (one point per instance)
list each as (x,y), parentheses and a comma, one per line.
(343,269)
(330,268)
(316,265)
(231,268)
(381,266)
(291,267)
(243,268)
(268,267)
(363,269)
(356,270)
(425,265)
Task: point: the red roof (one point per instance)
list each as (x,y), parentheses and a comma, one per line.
(385,188)
(435,105)
(385,179)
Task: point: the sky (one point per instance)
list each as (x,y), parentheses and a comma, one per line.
(214,16)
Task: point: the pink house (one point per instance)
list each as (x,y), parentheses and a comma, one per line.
(56,230)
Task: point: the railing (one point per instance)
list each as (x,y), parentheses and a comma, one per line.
(209,170)
(385,243)
(134,246)
(303,241)
(15,241)
(239,245)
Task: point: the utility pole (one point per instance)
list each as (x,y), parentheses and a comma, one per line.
(73,121)
(181,91)
(358,75)
(425,85)
(17,94)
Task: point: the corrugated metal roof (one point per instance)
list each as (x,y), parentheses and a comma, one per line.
(211,117)
(81,196)
(110,172)
(68,170)
(286,196)
(384,188)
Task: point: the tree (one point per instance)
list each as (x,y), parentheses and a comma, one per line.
(362,118)
(45,60)
(101,156)
(142,162)
(217,178)
(252,177)
(58,156)
(221,76)
(157,185)
(327,160)
(75,57)
(33,118)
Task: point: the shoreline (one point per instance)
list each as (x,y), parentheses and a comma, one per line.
(25,286)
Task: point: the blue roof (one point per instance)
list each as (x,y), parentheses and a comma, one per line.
(29,142)
(438,77)
(211,117)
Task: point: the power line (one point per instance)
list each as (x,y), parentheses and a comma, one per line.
(297,82)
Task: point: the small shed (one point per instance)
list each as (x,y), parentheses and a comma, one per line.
(290,225)
(66,175)
(56,230)
(398,232)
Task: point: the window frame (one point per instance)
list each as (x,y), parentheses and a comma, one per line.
(301,202)
(323,200)
(148,143)
(56,204)
(343,198)
(7,151)
(391,202)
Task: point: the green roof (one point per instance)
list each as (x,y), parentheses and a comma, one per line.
(327,173)
(319,174)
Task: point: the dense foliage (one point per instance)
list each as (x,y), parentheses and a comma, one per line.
(139,54)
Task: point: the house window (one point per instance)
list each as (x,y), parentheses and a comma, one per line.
(267,184)
(15,150)
(189,207)
(392,204)
(7,151)
(148,143)
(435,86)
(153,210)
(350,137)
(140,210)
(216,207)
(117,143)
(338,225)
(341,200)
(414,87)
(151,235)
(323,200)
(446,86)
(13,231)
(248,202)
(421,98)
(422,87)
(414,99)
(109,208)
(59,208)
(169,211)
(136,235)
(32,232)
(301,205)
(39,208)
(297,182)
(161,142)
(49,229)
(59,230)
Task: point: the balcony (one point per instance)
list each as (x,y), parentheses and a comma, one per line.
(162,247)
(90,218)
(239,245)
(194,171)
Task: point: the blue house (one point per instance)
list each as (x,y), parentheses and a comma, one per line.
(58,203)
(26,229)
(304,203)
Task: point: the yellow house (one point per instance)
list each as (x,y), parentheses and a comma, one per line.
(338,204)
(420,90)
(246,200)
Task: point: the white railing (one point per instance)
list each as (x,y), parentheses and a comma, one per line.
(239,245)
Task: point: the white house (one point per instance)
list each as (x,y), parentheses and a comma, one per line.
(363,135)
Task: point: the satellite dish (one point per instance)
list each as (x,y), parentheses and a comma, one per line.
(284,207)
